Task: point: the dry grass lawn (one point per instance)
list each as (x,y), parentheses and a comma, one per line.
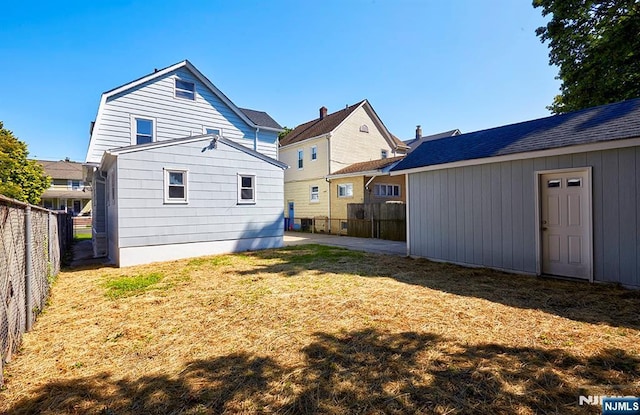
(312,329)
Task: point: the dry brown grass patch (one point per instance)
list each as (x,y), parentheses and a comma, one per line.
(312,329)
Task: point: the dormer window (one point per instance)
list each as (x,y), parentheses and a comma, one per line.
(185,89)
(364,128)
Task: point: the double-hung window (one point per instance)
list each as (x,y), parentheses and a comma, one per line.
(143,130)
(246,188)
(175,186)
(300,159)
(315,194)
(345,190)
(185,89)
(314,153)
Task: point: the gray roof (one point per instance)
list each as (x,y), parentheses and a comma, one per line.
(261,118)
(415,142)
(609,122)
(62,169)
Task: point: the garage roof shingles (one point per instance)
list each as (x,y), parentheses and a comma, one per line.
(609,122)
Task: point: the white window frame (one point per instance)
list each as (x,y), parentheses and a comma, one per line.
(185,183)
(134,128)
(314,153)
(384,153)
(207,127)
(316,193)
(377,186)
(345,186)
(176,89)
(242,201)
(300,159)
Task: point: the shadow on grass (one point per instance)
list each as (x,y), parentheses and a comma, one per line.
(366,371)
(576,300)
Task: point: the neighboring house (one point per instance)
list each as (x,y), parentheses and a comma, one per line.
(554,196)
(69,191)
(365,182)
(325,145)
(419,139)
(178,170)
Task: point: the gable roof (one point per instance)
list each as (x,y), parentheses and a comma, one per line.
(605,123)
(330,122)
(318,127)
(189,66)
(261,118)
(203,137)
(62,169)
(415,142)
(377,166)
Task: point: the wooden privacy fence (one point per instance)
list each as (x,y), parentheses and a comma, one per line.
(377,220)
(32,242)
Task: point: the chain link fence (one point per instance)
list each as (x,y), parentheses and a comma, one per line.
(32,243)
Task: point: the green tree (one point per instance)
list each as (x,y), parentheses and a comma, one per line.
(285,130)
(596,45)
(20,178)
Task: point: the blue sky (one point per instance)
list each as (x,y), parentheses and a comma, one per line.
(442,64)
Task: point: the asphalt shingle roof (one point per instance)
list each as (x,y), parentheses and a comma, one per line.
(603,123)
(62,169)
(261,118)
(444,134)
(369,165)
(317,127)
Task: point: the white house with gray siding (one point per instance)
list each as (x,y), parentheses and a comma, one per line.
(556,196)
(178,171)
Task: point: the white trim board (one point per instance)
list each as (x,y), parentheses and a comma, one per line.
(560,151)
(160,253)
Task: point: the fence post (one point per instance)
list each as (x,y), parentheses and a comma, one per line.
(28,269)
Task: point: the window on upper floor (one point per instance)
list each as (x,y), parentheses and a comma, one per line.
(175,186)
(314,194)
(75,184)
(314,153)
(384,154)
(345,190)
(386,190)
(246,188)
(185,89)
(300,159)
(143,130)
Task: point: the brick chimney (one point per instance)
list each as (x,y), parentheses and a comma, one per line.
(418,132)
(323,112)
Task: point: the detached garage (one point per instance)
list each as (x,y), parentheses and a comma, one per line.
(555,196)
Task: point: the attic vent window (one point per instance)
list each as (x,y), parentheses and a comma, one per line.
(185,89)
(364,128)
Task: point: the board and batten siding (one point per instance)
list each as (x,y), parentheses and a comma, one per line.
(212,212)
(484,215)
(175,117)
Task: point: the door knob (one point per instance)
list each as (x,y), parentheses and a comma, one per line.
(544,228)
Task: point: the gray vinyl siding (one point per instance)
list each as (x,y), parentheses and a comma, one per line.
(484,215)
(212,212)
(175,117)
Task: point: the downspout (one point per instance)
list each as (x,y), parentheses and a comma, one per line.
(255,140)
(329,172)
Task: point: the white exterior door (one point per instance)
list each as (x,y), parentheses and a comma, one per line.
(565,224)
